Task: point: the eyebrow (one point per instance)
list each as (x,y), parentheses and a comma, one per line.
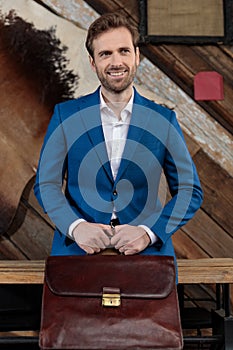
(110,51)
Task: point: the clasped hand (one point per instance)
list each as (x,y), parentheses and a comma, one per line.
(93,238)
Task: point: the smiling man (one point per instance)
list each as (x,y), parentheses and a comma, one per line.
(115,60)
(113,145)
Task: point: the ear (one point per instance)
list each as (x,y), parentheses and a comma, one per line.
(137,53)
(92,63)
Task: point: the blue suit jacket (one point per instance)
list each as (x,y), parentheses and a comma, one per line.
(74,150)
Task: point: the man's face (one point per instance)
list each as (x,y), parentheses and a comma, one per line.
(115,60)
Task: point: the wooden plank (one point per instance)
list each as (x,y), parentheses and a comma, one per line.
(22,272)
(207,57)
(32,202)
(33,236)
(192,145)
(206,262)
(200,291)
(205,275)
(104,6)
(214,57)
(228,50)
(19,334)
(186,247)
(8,250)
(209,236)
(190,271)
(218,190)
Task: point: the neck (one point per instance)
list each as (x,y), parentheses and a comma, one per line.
(117,101)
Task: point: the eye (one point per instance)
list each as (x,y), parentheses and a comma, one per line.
(125,51)
(104,53)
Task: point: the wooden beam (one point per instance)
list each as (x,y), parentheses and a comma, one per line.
(193,271)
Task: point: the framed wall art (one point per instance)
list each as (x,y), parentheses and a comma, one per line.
(186,21)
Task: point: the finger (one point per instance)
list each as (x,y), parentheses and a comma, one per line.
(87,249)
(104,240)
(131,252)
(108,230)
(128,251)
(97,250)
(105,227)
(118,240)
(99,240)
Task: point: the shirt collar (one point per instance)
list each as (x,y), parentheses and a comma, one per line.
(125,112)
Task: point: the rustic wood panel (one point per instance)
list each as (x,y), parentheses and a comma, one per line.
(213,55)
(186,247)
(31,230)
(192,145)
(9,251)
(209,235)
(200,291)
(34,237)
(218,191)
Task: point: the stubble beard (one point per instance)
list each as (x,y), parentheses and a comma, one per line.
(115,87)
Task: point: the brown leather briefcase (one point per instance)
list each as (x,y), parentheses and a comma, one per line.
(110,302)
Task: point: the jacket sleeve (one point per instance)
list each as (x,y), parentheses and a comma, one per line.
(183,183)
(48,186)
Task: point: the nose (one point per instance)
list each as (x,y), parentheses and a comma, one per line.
(116,59)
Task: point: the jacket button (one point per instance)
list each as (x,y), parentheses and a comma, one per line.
(115,192)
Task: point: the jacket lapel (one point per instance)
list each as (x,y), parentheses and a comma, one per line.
(90,115)
(138,124)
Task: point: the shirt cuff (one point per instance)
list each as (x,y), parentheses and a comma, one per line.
(72,227)
(151,234)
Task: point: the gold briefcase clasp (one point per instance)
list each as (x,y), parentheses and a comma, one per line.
(111,297)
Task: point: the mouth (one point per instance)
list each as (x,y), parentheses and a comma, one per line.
(117,74)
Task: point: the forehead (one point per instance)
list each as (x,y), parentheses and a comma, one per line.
(113,39)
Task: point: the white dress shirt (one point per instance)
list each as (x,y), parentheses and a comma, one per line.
(115,131)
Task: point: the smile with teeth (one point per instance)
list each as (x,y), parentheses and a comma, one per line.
(117,74)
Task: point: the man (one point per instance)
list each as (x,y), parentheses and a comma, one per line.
(111,146)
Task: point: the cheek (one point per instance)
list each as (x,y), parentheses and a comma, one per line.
(99,67)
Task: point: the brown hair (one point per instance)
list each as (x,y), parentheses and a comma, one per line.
(106,22)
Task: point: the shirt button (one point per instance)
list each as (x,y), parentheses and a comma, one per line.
(115,192)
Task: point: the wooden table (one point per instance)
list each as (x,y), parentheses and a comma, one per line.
(214,270)
(217,271)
